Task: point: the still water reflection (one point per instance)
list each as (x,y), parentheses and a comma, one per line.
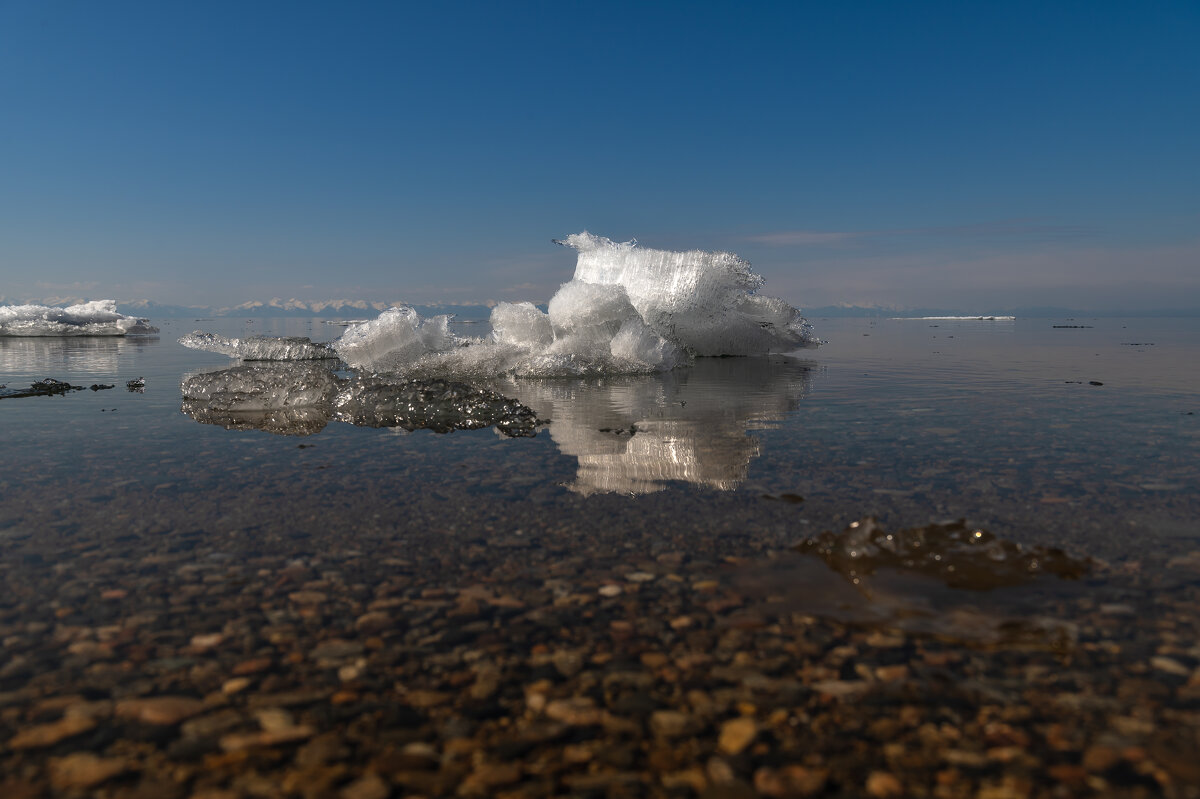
(637,434)
(630,435)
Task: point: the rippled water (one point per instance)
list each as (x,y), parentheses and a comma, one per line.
(1084,437)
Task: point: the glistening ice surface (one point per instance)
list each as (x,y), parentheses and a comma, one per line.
(628,310)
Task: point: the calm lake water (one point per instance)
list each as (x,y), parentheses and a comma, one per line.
(699,543)
(1084,437)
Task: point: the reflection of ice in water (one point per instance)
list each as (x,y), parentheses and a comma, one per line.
(68,354)
(635,434)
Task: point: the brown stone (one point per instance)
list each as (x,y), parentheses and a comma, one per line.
(84,770)
(1100,758)
(884,785)
(162,710)
(43,735)
(253,666)
(235,742)
(790,781)
(736,735)
(370,786)
(488,776)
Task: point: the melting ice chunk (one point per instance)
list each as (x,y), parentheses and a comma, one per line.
(626,311)
(96,318)
(702,301)
(301,398)
(397,338)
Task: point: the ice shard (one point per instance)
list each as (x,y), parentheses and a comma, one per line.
(259,348)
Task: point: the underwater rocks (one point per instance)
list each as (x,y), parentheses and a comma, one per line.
(570,660)
(956,554)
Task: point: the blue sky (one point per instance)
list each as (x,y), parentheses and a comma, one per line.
(911,154)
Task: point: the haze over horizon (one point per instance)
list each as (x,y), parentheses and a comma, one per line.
(920,155)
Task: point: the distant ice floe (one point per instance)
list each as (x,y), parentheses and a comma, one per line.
(628,310)
(96,318)
(956,318)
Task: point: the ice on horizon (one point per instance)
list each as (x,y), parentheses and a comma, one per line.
(627,310)
(95,318)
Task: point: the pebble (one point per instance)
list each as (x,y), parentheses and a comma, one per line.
(884,785)
(42,735)
(84,770)
(369,786)
(736,735)
(160,710)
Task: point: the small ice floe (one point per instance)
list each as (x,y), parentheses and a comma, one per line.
(956,318)
(259,348)
(301,398)
(96,318)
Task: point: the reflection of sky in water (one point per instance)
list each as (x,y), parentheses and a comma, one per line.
(636,434)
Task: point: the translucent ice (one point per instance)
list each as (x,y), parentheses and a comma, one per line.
(259,348)
(301,398)
(702,301)
(397,338)
(256,388)
(96,318)
(521,324)
(437,405)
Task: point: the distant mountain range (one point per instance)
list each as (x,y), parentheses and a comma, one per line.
(368,309)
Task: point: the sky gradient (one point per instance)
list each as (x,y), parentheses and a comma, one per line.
(970,155)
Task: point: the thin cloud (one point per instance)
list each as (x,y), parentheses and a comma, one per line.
(1008,229)
(805,237)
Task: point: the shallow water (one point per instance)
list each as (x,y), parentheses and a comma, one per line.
(912,421)
(690,548)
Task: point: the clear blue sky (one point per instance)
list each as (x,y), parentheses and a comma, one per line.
(955,154)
